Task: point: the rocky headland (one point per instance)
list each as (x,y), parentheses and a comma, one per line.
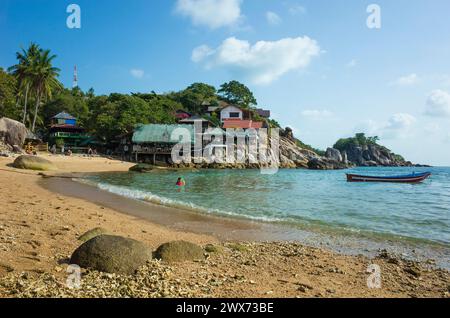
(346,153)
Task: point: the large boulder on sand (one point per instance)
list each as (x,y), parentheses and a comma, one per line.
(91,234)
(33,163)
(142,167)
(179,251)
(12,132)
(112,254)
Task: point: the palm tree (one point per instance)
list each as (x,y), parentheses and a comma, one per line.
(44,80)
(23,73)
(36,74)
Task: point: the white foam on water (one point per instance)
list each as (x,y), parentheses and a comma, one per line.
(156,199)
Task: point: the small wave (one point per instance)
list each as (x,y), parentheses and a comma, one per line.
(297,221)
(147,196)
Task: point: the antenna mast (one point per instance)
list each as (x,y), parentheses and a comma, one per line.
(75,77)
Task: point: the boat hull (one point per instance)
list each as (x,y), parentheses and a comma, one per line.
(414,178)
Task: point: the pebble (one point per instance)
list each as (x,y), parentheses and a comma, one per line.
(413,271)
(306,286)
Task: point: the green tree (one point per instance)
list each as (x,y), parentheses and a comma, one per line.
(373,140)
(238,94)
(273,123)
(71,101)
(44,79)
(208,92)
(90,93)
(361,139)
(23,71)
(162,107)
(8,107)
(194,96)
(358,140)
(117,114)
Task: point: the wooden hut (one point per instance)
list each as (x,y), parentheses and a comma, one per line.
(153,143)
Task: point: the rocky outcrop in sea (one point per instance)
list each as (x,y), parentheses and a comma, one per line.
(293,156)
(372,155)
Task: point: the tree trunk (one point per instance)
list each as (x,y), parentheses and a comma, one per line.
(38,101)
(25,105)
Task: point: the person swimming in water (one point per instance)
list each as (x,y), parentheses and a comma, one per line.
(181,183)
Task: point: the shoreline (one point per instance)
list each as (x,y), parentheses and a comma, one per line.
(39,231)
(232,228)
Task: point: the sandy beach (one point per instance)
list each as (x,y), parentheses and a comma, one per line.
(39,230)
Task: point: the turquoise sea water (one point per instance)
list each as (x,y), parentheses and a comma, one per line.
(310,199)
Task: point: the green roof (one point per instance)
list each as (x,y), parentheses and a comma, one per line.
(159,133)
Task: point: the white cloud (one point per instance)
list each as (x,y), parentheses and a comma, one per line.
(442,80)
(297,9)
(273,18)
(137,73)
(407,80)
(447,138)
(211,13)
(201,52)
(400,121)
(431,128)
(317,114)
(263,62)
(438,104)
(446,80)
(397,126)
(352,63)
(369,127)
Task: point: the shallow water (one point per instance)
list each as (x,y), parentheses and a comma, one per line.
(322,200)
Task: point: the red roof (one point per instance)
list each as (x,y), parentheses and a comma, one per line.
(182,116)
(244,124)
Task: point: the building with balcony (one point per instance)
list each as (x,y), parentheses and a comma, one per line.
(64,132)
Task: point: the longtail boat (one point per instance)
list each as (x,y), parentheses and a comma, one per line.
(410,178)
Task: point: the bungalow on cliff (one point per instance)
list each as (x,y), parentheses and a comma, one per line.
(231,112)
(153,143)
(64,132)
(236,117)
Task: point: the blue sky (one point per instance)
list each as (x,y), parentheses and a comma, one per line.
(315,64)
